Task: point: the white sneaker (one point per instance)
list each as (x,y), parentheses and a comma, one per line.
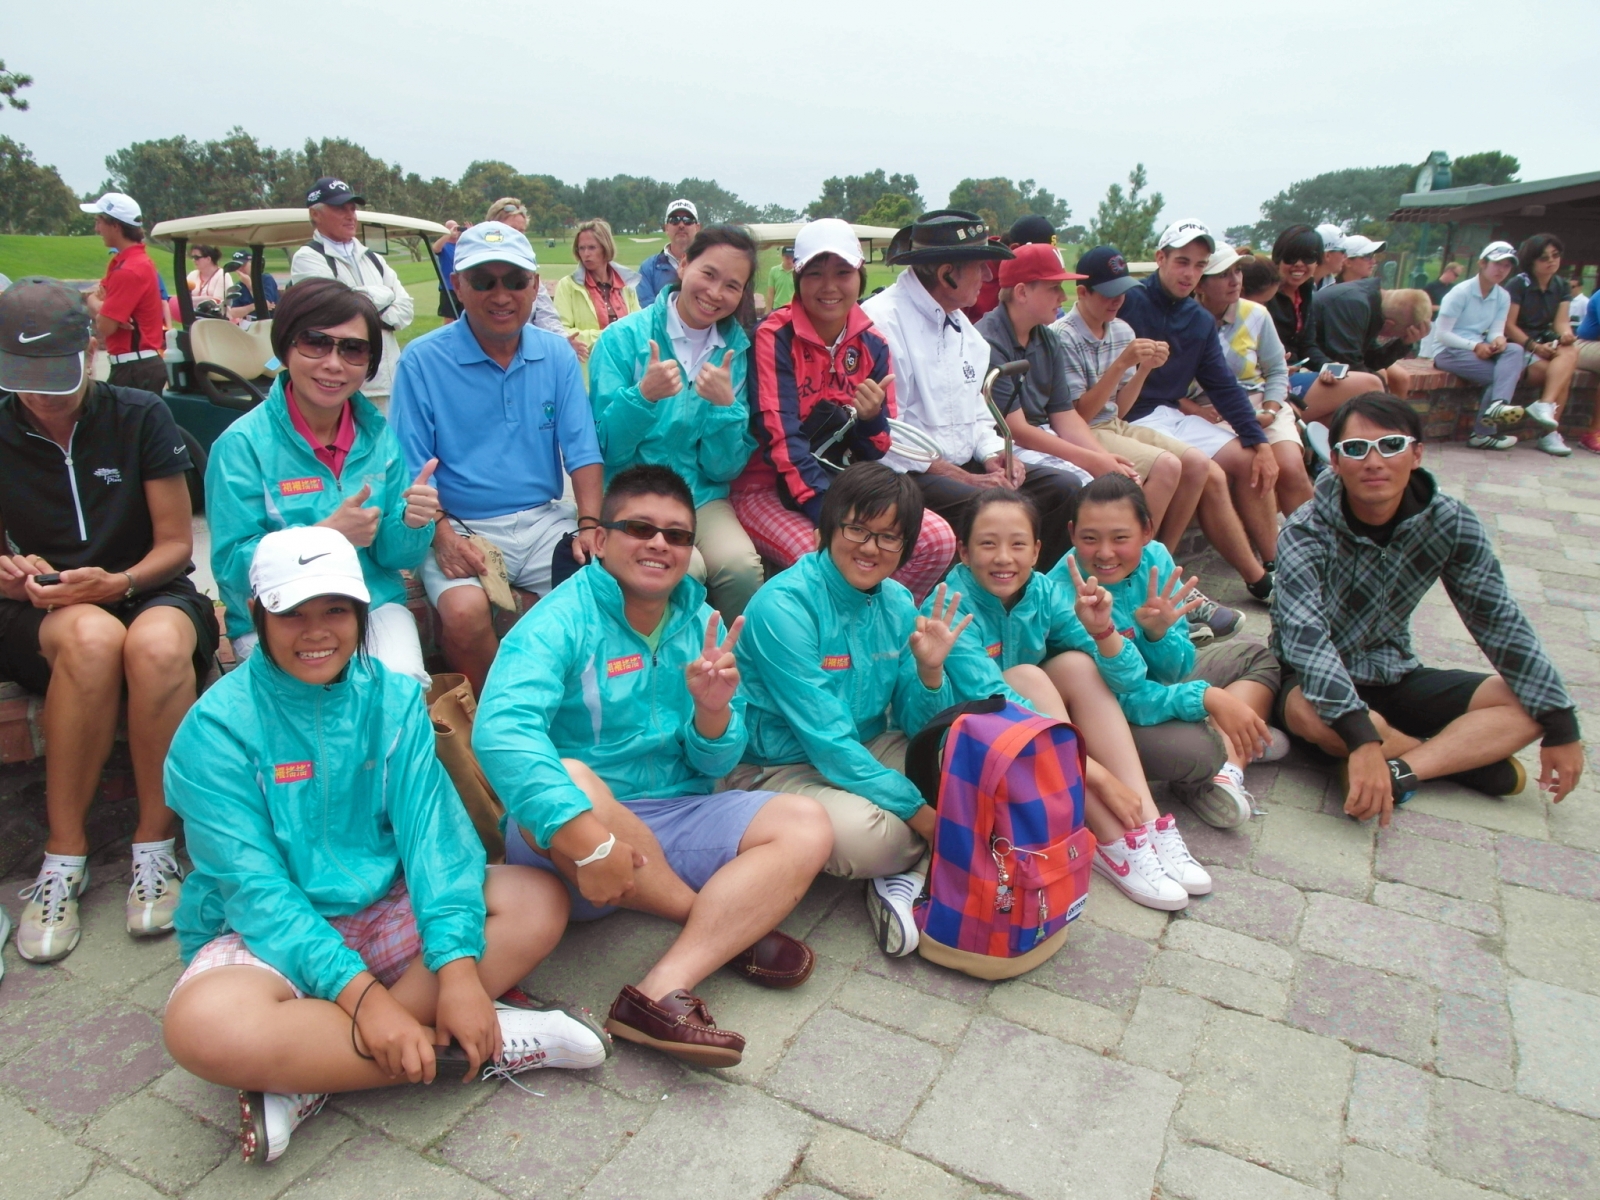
(49,928)
(1131,864)
(889,902)
(1491,441)
(531,1038)
(1543,412)
(1277,745)
(155,891)
(1176,860)
(1222,804)
(267,1119)
(1554,443)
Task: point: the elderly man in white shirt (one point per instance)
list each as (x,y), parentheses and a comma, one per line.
(939,362)
(335,253)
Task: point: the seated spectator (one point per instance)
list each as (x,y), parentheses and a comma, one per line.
(1251,346)
(241,299)
(1578,304)
(1449,276)
(500,405)
(1056,651)
(1369,327)
(444,249)
(1356,563)
(1032,230)
(597,292)
(1298,255)
(1328,270)
(668,386)
(1360,258)
(609,776)
(780,280)
(318,453)
(207,281)
(1470,341)
(350,960)
(1258,282)
(822,372)
(1233,685)
(665,267)
(1163,309)
(95,598)
(1539,320)
(838,670)
(508,210)
(940,361)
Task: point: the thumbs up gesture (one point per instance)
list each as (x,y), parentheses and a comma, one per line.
(359,525)
(422,498)
(661,379)
(715,383)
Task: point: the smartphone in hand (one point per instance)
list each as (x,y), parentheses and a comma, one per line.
(48,578)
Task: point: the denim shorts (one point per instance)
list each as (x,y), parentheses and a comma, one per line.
(698,834)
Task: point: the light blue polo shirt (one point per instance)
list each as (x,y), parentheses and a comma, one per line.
(501,435)
(1475,313)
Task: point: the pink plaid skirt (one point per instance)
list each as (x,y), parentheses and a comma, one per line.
(384,933)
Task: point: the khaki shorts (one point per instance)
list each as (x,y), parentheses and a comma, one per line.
(1588,356)
(1283,427)
(1138,445)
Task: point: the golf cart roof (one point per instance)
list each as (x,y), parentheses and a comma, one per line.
(784,234)
(284,227)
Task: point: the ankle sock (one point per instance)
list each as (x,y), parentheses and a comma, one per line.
(67,864)
(168,847)
(1234,774)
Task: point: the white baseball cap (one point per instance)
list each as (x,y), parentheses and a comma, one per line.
(683,206)
(118,207)
(1495,251)
(1222,258)
(293,565)
(1357,246)
(1332,238)
(828,235)
(494,241)
(1184,231)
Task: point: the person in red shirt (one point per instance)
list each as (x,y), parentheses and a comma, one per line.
(1029,230)
(128,315)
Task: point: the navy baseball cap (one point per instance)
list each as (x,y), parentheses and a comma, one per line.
(1106,271)
(336,192)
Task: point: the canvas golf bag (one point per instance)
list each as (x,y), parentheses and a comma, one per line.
(1011,855)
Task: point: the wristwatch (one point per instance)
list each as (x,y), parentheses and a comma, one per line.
(132,586)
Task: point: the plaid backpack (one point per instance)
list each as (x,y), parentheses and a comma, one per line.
(1010,854)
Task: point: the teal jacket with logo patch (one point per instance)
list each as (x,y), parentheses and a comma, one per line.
(825,667)
(263,476)
(575,680)
(303,802)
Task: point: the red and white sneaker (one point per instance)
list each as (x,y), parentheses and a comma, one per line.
(1131,864)
(1176,860)
(266,1119)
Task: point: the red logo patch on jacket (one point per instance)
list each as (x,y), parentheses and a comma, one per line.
(291,772)
(625,665)
(835,662)
(993,649)
(299,487)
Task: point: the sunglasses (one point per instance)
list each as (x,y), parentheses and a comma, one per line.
(1356,449)
(682,220)
(355,351)
(861,535)
(487,281)
(643,531)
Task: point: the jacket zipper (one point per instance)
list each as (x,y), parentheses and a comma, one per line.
(72,478)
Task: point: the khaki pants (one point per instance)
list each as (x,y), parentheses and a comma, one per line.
(868,841)
(1138,445)
(724,559)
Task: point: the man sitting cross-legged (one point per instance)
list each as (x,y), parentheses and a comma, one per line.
(607,720)
(1353,565)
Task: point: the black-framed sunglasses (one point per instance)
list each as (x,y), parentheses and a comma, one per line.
(682,219)
(314,344)
(487,281)
(861,535)
(1388,446)
(644,531)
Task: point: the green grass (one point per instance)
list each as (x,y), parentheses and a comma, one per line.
(57,257)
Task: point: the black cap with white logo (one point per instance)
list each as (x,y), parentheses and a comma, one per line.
(335,192)
(44,331)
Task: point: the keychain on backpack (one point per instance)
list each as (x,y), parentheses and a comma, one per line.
(1002,892)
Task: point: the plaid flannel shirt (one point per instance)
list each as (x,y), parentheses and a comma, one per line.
(1342,605)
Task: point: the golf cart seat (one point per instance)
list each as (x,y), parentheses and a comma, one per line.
(230,364)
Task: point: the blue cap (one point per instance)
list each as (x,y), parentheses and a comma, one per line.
(334,192)
(494,241)
(1106,271)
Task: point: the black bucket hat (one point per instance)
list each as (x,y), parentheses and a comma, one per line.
(947,235)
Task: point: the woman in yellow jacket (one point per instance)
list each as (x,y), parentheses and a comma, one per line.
(595,294)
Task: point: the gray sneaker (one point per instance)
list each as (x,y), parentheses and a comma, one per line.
(1221,621)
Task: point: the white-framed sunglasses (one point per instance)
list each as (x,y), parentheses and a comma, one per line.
(1358,448)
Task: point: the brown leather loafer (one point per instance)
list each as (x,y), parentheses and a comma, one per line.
(678,1024)
(776,961)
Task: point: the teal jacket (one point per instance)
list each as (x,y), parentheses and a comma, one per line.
(707,444)
(574,680)
(824,666)
(1040,625)
(263,476)
(1168,662)
(304,802)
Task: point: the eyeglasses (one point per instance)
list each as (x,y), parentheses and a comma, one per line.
(1389,445)
(683,219)
(643,531)
(313,344)
(487,281)
(861,535)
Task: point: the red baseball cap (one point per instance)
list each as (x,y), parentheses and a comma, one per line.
(1034,263)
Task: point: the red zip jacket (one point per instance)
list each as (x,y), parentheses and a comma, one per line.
(793,370)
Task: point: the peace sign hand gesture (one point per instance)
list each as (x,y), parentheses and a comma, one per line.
(933,638)
(713,678)
(1163,607)
(1093,603)
(715,382)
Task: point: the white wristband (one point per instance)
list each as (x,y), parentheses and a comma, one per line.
(600,851)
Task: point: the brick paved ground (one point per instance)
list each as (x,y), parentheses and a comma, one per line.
(1409,1014)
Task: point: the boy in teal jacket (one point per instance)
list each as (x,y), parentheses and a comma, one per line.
(668,386)
(609,715)
(839,668)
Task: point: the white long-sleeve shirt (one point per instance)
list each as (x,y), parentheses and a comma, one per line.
(352,265)
(939,361)
(1467,317)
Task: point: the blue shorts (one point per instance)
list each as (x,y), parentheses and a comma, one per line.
(1300,383)
(699,835)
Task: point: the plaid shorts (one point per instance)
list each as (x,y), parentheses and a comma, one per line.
(384,933)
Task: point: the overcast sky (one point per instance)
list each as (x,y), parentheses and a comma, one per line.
(1226,102)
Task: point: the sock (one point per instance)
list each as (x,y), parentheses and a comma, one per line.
(1234,774)
(168,847)
(66,864)
(1261,588)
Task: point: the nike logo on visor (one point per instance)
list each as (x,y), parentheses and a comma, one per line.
(22,337)
(314,557)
